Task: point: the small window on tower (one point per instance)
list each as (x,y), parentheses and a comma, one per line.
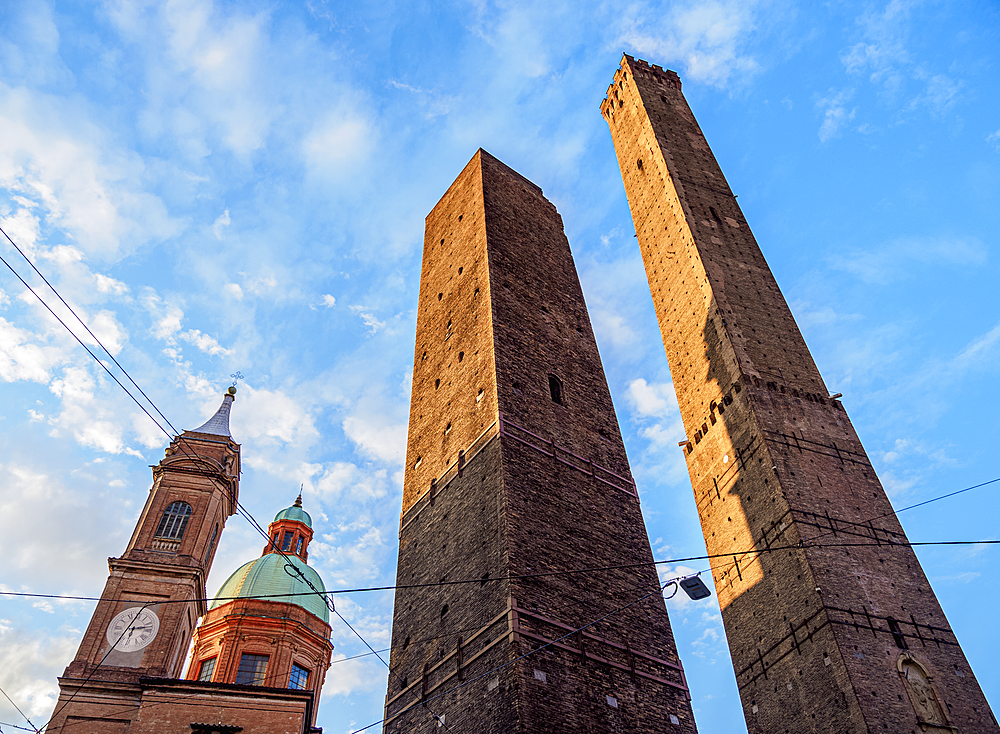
(299,677)
(206,669)
(555,389)
(298,546)
(252,670)
(897,633)
(638,164)
(174,521)
(211,544)
(286,541)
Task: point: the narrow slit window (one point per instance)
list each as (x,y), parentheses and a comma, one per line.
(211,544)
(897,634)
(556,389)
(298,546)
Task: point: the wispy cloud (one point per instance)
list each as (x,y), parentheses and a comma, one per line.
(892,260)
(835,113)
(709,40)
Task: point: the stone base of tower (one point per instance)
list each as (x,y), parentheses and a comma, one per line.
(169,706)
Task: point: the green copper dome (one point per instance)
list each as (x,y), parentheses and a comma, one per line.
(295,512)
(267,576)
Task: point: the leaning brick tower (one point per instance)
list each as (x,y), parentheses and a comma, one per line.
(823,638)
(516,472)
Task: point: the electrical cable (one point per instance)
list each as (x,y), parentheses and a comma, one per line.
(84,325)
(15,726)
(18,710)
(439,719)
(518,577)
(659,590)
(96,667)
(326,594)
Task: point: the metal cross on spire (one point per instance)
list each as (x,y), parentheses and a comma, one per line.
(237,376)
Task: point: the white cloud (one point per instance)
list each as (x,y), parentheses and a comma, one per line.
(376,434)
(340,476)
(53,156)
(204,342)
(106,284)
(329,301)
(269,416)
(940,94)
(708,38)
(167,317)
(368,319)
(221,223)
(349,676)
(29,664)
(233,290)
(882,53)
(337,145)
(259,285)
(892,260)
(656,399)
(21,358)
(835,113)
(433,103)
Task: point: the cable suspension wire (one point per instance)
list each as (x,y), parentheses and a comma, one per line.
(289,565)
(96,667)
(84,325)
(519,577)
(658,590)
(18,711)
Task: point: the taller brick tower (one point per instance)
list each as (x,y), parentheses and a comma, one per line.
(516,472)
(823,638)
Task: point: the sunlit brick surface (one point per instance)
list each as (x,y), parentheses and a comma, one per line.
(823,639)
(543,486)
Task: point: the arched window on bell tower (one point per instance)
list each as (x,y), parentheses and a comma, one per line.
(174,521)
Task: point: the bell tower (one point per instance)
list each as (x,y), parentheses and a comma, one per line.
(155,591)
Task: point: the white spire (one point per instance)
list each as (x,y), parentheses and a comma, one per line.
(218,424)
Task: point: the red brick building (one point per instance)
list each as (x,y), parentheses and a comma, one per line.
(831,623)
(125,678)
(516,473)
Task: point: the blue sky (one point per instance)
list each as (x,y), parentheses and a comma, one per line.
(242,186)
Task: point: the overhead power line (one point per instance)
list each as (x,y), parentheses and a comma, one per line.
(519,577)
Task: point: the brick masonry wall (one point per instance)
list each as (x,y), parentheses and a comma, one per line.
(145,576)
(823,639)
(529,498)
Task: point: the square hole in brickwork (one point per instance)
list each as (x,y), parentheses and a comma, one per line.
(754,709)
(539,675)
(493,684)
(674,719)
(612,702)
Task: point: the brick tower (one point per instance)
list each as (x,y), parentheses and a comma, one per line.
(515,466)
(155,592)
(823,638)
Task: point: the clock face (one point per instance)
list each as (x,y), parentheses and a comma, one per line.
(133,629)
